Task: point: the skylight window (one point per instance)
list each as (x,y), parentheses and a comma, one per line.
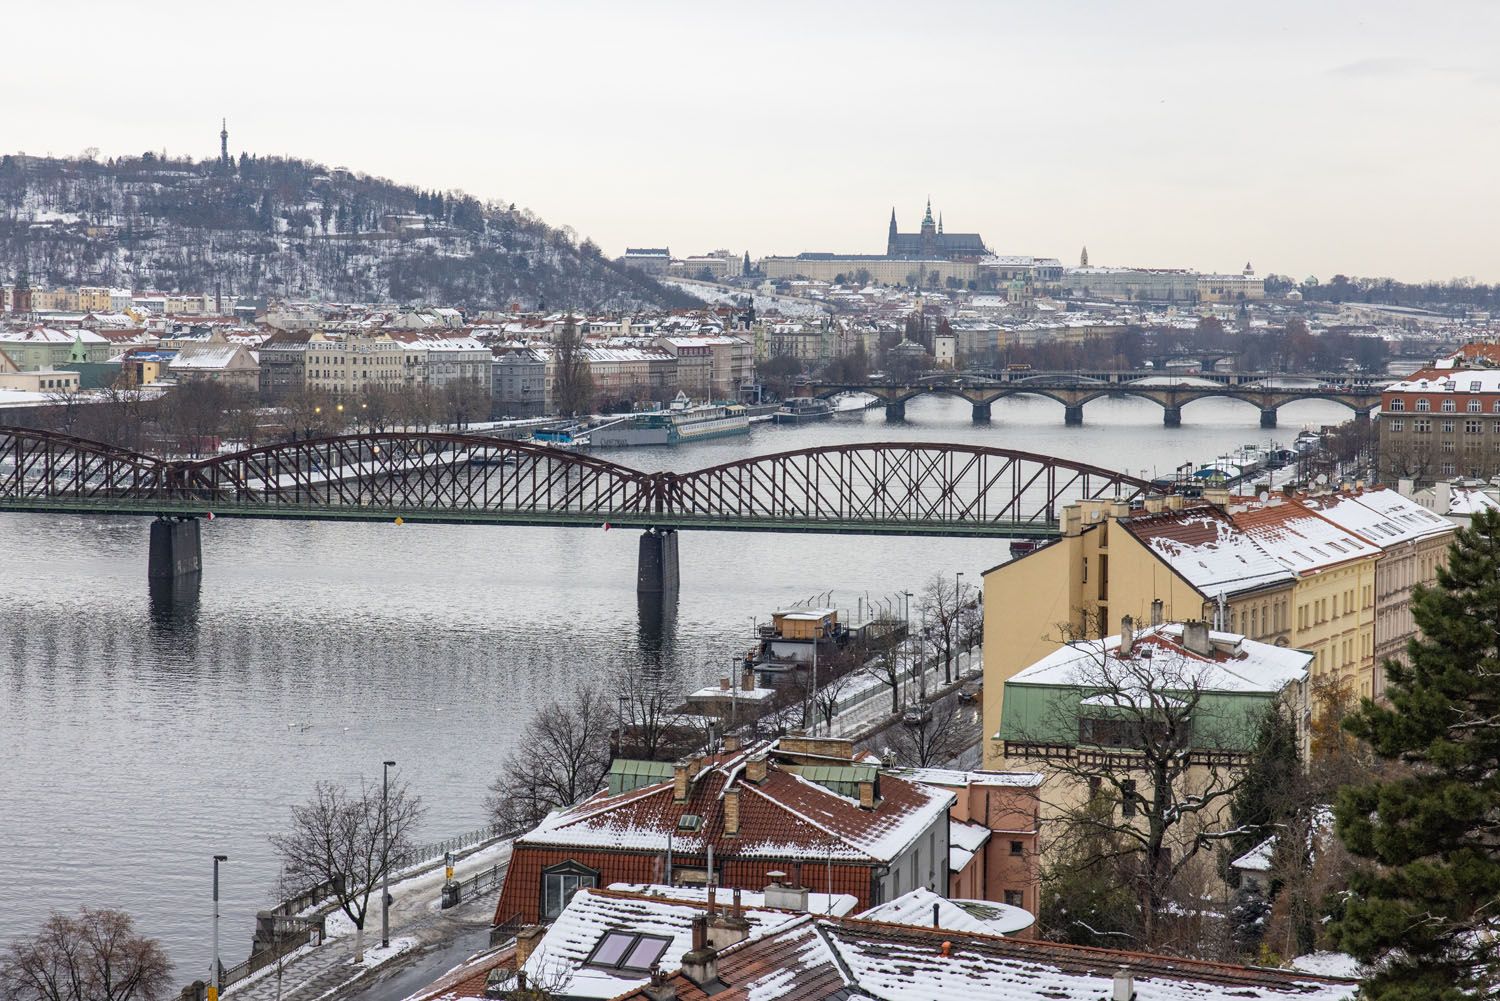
(623,950)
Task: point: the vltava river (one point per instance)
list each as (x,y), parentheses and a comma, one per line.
(134,746)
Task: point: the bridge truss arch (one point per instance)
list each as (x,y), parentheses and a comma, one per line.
(904,488)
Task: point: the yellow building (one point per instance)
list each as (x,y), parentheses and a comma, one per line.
(1334,595)
(93,299)
(1159,563)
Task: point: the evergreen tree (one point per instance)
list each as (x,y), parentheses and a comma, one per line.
(1269,790)
(1427,914)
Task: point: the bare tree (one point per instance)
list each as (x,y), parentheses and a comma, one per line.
(1148,768)
(465,400)
(561,758)
(943,602)
(653,697)
(888,666)
(936,737)
(573,382)
(93,956)
(338,838)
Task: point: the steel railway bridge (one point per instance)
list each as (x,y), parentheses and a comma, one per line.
(1073,390)
(888,488)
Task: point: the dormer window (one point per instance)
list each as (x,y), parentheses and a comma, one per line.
(1475,385)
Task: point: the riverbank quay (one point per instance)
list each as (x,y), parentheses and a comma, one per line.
(323,965)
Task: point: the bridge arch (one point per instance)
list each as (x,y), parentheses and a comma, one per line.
(903,486)
(42,464)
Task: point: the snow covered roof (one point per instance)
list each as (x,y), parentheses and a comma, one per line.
(957,777)
(1382,516)
(823,959)
(1207,550)
(1257,859)
(206,357)
(565,950)
(1237,664)
(1465,500)
(983,917)
(964,842)
(837,904)
(1300,539)
(783,816)
(1479,380)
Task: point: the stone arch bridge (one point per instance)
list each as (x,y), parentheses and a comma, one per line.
(1075,390)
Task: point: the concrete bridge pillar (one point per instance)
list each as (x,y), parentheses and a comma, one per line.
(1268,417)
(656,570)
(1172,417)
(896,411)
(176,549)
(1361,417)
(981,413)
(1073,415)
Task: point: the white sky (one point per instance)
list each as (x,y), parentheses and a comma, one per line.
(1307,137)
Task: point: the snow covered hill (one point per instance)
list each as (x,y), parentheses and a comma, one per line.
(287,228)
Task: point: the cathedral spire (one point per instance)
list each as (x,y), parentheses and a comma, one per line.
(927,219)
(940,224)
(1083,258)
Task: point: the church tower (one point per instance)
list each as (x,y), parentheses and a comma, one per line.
(890,240)
(224,145)
(1083,258)
(929,232)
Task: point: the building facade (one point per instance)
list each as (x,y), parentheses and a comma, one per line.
(1441,423)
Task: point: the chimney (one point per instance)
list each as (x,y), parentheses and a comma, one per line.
(1195,637)
(727,927)
(732,812)
(747,679)
(867,794)
(725,684)
(1127,637)
(1174,502)
(682,778)
(1124,985)
(784,897)
(701,965)
(755,769)
(527,940)
(731,743)
(658,988)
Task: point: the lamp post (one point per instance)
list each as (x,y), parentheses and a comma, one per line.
(906,639)
(385,868)
(213,977)
(958,611)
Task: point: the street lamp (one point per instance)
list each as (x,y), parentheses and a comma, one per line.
(213,977)
(385,869)
(906,618)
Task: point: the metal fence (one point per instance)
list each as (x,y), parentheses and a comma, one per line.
(438,849)
(481,882)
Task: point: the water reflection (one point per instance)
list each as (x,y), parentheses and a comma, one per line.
(174,607)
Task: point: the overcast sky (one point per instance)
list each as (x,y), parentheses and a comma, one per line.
(1307,138)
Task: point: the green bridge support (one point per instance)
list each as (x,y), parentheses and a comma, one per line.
(176,549)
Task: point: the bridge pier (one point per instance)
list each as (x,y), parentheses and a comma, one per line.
(981,413)
(1172,417)
(1073,415)
(176,549)
(656,569)
(896,411)
(1361,417)
(1268,418)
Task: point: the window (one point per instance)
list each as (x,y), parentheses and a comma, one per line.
(622,950)
(1127,798)
(1448,469)
(1449,406)
(560,882)
(1475,406)
(1421,426)
(1017,848)
(1398,425)
(1398,405)
(1473,427)
(1447,427)
(1496,407)
(1423,405)
(1474,387)
(1014,898)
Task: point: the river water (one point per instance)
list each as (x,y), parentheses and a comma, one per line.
(135,745)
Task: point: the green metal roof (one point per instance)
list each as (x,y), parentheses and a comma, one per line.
(1049,714)
(841,779)
(626,774)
